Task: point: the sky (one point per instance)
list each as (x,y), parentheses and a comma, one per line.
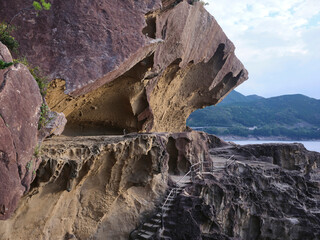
(278,41)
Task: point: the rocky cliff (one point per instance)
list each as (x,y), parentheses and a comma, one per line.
(99,187)
(134,65)
(138,68)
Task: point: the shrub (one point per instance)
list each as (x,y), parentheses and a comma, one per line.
(4,64)
(37,151)
(6,38)
(41,5)
(44,116)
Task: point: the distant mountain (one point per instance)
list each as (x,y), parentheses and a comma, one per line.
(288,116)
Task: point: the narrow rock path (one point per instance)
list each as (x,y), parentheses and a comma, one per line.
(159,223)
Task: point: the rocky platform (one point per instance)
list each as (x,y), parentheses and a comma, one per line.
(100,187)
(103,187)
(248,200)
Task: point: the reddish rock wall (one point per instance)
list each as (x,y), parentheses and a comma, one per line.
(149,62)
(20,102)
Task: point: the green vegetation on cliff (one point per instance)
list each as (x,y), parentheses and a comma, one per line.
(290,116)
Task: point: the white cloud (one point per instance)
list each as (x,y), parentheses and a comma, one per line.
(269,22)
(278,42)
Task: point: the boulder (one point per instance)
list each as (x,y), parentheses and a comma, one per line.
(143,66)
(20,101)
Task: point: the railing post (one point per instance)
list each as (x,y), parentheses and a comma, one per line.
(201,170)
(162,223)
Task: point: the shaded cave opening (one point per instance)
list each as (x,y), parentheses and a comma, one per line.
(113,108)
(178,165)
(151,28)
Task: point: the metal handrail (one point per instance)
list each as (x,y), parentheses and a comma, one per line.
(169,195)
(173,191)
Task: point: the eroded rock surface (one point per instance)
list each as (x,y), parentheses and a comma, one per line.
(20,102)
(251,199)
(83,41)
(134,65)
(98,187)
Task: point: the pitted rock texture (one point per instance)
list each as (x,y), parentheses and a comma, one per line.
(288,156)
(130,65)
(249,200)
(97,187)
(20,102)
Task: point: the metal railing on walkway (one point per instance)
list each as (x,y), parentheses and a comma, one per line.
(199,167)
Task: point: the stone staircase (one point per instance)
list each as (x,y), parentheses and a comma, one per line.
(161,224)
(158,224)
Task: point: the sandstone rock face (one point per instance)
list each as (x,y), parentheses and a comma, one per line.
(249,200)
(20,102)
(101,188)
(98,187)
(242,198)
(134,65)
(83,41)
(288,156)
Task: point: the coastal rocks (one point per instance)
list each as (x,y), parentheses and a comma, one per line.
(98,187)
(249,200)
(20,102)
(288,156)
(144,67)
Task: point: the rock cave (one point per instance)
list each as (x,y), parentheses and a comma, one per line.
(111,160)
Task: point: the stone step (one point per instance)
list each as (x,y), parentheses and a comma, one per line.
(156,220)
(169,204)
(165,208)
(151,226)
(143,234)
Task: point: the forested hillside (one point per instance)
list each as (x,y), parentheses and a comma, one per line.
(289,116)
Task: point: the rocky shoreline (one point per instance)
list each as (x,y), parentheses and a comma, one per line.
(262,138)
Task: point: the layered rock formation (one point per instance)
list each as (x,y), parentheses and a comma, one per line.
(249,200)
(134,65)
(99,187)
(137,66)
(102,187)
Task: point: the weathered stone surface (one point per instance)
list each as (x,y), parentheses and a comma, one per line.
(241,198)
(20,102)
(54,126)
(101,186)
(134,65)
(83,41)
(249,200)
(288,156)
(5,53)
